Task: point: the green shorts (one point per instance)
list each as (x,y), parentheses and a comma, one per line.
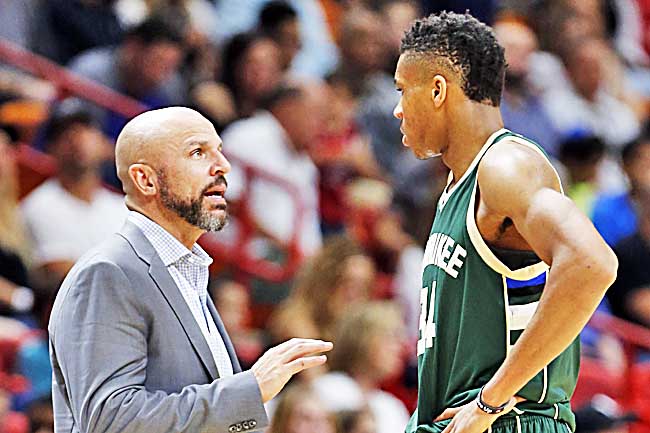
(529,424)
(517,424)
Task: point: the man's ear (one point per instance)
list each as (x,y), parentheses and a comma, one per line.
(144,179)
(439,90)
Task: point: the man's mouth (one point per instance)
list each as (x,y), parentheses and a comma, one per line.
(215,195)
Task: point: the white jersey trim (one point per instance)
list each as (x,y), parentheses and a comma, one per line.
(479,243)
(520,315)
(545,388)
(507,315)
(449,190)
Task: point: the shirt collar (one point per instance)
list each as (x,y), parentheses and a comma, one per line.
(170,249)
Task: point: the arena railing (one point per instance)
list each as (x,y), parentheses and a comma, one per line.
(35,167)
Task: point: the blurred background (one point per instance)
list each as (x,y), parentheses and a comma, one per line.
(330,212)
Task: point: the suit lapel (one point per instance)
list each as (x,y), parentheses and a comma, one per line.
(172,294)
(236,368)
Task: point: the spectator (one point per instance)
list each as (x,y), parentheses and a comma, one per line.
(318,55)
(251,70)
(144,66)
(276,142)
(41,416)
(614,215)
(10,421)
(335,280)
(69,214)
(368,351)
(279,21)
(586,104)
(629,296)
(398,16)
(233,303)
(198,15)
(364,50)
(582,155)
(16,20)
(521,105)
(341,155)
(299,410)
(65,28)
(364,55)
(15,252)
(357,421)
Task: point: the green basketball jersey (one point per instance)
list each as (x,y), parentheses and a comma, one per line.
(474,307)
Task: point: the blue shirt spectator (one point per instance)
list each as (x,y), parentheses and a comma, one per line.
(614,217)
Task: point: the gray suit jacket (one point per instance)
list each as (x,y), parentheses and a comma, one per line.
(128,356)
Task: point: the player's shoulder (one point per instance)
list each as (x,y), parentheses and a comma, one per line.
(513,169)
(517,162)
(513,155)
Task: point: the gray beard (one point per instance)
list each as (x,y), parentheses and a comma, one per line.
(191,211)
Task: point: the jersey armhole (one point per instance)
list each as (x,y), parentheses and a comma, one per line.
(487,255)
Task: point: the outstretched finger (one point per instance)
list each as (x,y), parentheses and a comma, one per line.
(286,345)
(306,348)
(300,364)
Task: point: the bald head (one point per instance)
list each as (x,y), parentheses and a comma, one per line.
(150,137)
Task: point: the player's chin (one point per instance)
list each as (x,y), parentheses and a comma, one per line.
(423,154)
(220,210)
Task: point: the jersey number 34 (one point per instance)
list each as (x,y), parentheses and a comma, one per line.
(427,324)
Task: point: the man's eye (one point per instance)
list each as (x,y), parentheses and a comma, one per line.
(196,153)
(399,90)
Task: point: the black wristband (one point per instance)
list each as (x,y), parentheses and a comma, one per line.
(490,410)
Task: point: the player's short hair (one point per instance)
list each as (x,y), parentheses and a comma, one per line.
(469,46)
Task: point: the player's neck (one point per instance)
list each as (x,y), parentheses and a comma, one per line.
(468,135)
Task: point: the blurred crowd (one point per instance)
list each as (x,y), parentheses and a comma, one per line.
(302,94)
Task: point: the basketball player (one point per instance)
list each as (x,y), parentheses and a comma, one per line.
(498,347)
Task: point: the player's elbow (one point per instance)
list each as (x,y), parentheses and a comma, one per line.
(605,268)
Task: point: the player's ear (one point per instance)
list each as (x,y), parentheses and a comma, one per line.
(439,90)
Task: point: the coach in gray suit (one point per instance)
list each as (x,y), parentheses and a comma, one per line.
(135,342)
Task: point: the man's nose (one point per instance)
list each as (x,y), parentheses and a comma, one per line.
(397,112)
(220,165)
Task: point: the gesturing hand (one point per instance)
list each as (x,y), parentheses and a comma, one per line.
(274,369)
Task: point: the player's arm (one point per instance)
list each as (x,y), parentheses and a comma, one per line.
(518,183)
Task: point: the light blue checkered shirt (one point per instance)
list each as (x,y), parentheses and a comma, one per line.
(190,272)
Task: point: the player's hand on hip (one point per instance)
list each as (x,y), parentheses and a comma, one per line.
(274,369)
(470,419)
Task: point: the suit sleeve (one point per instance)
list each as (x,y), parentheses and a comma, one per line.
(99,340)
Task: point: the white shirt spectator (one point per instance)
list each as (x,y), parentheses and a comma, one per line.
(340,392)
(64,227)
(261,142)
(606,117)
